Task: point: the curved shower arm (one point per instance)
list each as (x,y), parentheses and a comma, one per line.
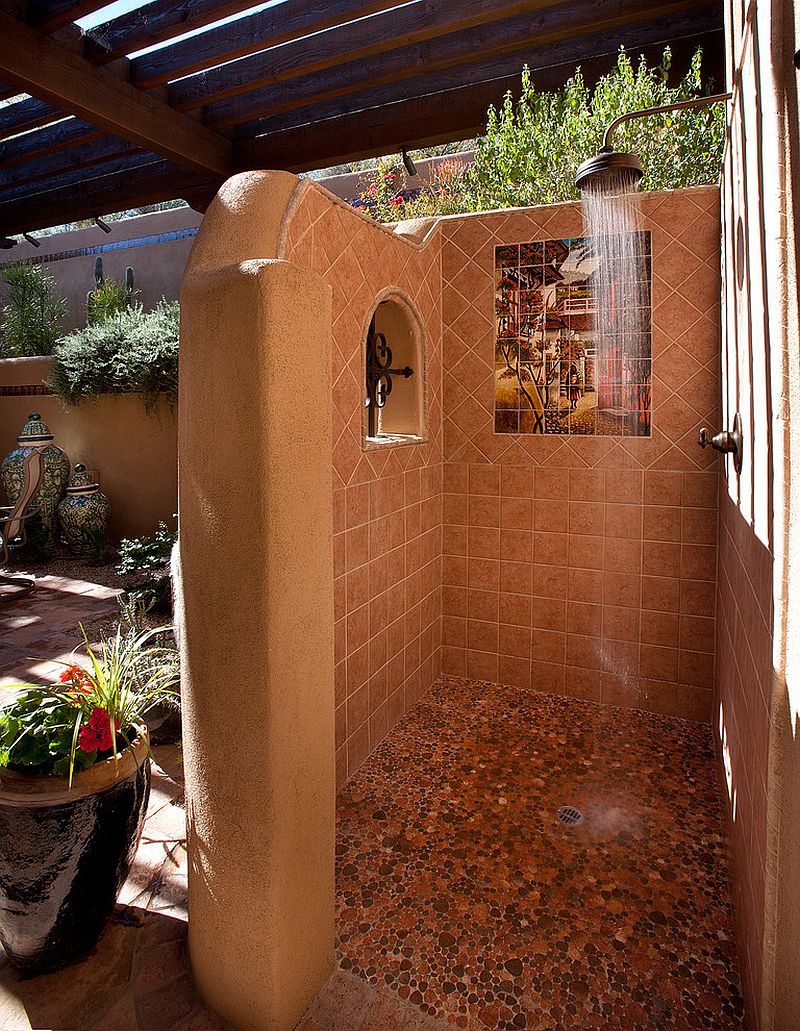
(678,105)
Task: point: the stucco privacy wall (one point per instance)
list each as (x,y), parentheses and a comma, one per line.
(155,246)
(275,347)
(386,502)
(757,692)
(132,452)
(585,565)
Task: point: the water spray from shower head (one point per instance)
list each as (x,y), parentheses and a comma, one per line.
(615,169)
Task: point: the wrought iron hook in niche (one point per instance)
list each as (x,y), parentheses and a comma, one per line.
(379,376)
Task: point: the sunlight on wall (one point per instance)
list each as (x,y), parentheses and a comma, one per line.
(727,763)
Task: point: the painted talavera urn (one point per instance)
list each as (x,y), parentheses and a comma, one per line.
(35,435)
(83,514)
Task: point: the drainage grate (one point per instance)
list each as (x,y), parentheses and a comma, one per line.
(569,815)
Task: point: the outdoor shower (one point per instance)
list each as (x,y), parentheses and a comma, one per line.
(621,168)
(622,274)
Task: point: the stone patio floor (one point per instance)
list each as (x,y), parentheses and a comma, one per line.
(39,630)
(461,900)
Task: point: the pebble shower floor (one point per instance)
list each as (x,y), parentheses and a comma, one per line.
(459,889)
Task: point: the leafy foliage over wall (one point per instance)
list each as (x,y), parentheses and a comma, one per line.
(130,352)
(533,145)
(33,314)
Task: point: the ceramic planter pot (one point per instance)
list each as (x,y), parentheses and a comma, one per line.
(65,854)
(83,514)
(35,436)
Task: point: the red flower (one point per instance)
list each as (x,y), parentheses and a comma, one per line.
(397,201)
(97,732)
(77,676)
(389,177)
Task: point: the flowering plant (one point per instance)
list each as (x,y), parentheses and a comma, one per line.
(93,711)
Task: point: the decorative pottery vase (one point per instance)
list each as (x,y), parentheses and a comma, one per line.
(35,435)
(65,854)
(83,514)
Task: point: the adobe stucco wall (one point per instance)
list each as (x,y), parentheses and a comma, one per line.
(757,691)
(309,568)
(585,565)
(255,605)
(132,452)
(156,246)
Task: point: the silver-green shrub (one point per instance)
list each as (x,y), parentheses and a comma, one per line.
(130,352)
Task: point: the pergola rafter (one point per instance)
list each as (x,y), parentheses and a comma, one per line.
(298,85)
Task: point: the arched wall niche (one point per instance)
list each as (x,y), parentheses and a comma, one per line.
(402,420)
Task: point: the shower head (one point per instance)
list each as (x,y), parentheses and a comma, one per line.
(609,166)
(621,169)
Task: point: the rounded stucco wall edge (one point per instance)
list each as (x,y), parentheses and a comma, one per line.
(245,220)
(257,645)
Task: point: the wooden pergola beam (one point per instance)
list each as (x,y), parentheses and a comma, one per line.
(81,156)
(115,191)
(435,118)
(40,66)
(365,41)
(566,32)
(50,15)
(127,163)
(153,23)
(248,35)
(25,115)
(49,140)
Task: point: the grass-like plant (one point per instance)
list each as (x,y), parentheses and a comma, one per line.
(94,710)
(33,313)
(130,352)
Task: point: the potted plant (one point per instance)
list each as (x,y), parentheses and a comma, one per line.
(74,786)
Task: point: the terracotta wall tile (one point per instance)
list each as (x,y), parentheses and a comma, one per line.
(598,554)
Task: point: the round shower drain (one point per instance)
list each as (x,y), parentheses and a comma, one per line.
(569,815)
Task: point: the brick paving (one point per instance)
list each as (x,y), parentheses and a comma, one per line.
(35,629)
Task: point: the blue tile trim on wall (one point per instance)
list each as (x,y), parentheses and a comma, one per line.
(113,245)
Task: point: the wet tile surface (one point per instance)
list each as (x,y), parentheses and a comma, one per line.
(459,890)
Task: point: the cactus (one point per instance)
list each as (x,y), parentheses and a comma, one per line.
(108,297)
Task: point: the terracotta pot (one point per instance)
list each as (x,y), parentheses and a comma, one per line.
(65,853)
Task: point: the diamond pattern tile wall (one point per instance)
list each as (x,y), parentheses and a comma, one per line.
(569,564)
(387,503)
(595,628)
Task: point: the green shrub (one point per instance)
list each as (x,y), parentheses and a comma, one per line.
(108,297)
(33,314)
(146,560)
(130,352)
(533,145)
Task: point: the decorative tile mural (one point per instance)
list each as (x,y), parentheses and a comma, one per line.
(549,374)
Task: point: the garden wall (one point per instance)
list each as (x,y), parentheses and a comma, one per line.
(155,246)
(575,564)
(132,453)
